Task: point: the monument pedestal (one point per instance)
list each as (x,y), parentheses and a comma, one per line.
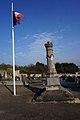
(55,92)
(53,83)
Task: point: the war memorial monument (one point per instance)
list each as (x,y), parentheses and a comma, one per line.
(54,91)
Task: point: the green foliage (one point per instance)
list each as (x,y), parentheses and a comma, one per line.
(41,68)
(4,66)
(9,70)
(66,68)
(38,68)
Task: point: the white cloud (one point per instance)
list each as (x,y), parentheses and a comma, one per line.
(33,47)
(21,54)
(35,50)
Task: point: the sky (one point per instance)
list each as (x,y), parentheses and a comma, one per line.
(57,21)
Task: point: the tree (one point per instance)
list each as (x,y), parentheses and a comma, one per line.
(9,70)
(66,68)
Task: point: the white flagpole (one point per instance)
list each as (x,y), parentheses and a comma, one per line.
(13,54)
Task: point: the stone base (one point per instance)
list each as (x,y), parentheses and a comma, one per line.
(59,95)
(53,81)
(11,83)
(52,88)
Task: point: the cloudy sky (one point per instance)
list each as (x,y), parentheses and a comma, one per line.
(45,20)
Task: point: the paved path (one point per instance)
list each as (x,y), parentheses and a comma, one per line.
(20,107)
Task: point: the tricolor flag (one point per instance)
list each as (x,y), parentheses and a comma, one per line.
(17,18)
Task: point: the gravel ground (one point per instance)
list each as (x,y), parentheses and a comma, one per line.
(20,107)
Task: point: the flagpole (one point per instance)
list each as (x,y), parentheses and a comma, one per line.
(13,54)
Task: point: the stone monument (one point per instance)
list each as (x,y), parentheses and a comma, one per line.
(54,91)
(52,78)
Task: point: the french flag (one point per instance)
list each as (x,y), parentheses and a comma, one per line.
(17,18)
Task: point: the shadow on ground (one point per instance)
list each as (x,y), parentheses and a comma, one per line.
(9,90)
(35,90)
